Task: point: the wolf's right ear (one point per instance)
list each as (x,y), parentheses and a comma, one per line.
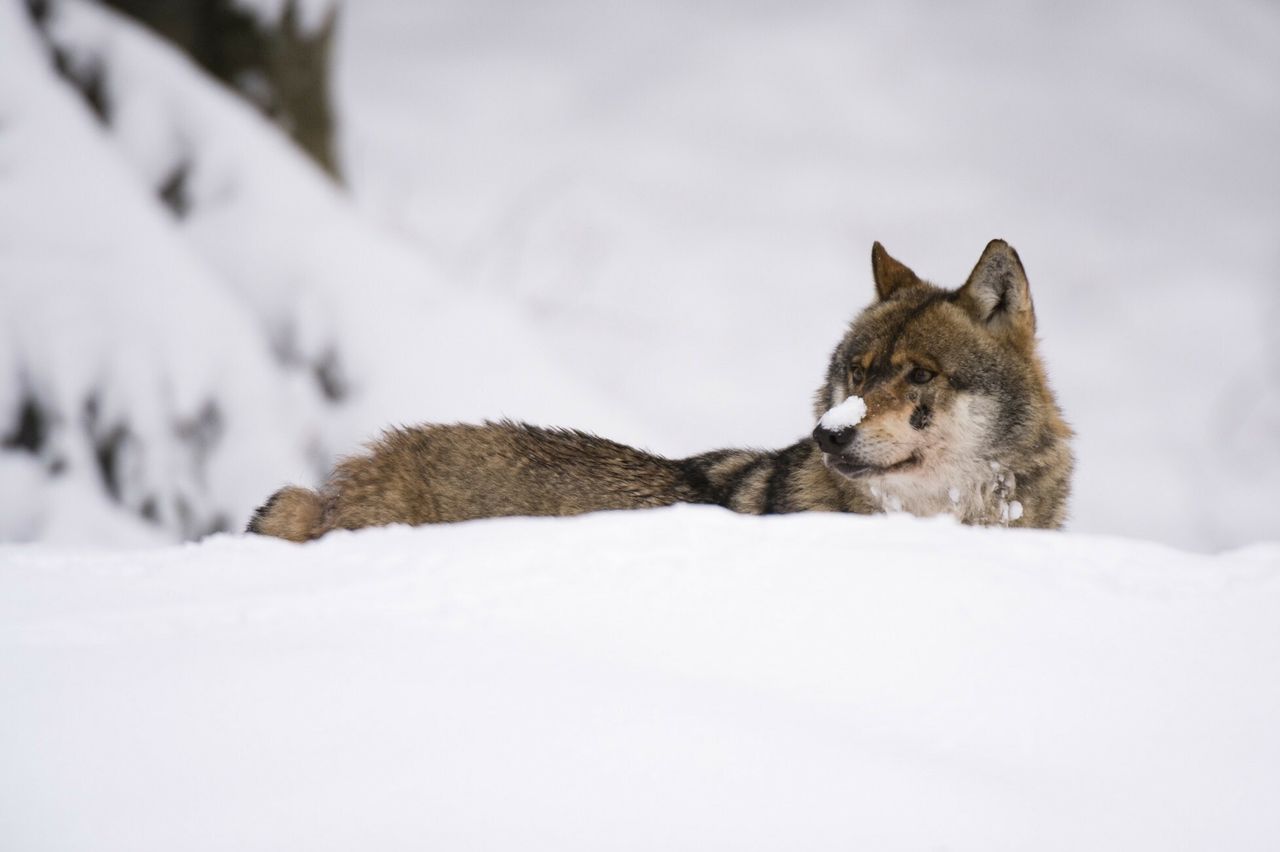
(997,294)
(889,274)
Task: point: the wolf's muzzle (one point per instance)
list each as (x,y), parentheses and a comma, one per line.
(834,442)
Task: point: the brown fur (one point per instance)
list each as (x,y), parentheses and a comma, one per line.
(292,513)
(438,474)
(982,439)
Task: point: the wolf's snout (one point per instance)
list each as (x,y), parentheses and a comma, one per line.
(834,441)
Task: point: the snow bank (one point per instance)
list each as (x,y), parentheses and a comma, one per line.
(676,679)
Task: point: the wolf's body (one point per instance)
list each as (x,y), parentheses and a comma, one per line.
(959,419)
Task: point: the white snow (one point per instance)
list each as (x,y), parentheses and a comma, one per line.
(270,276)
(123,337)
(674,679)
(846,415)
(322,280)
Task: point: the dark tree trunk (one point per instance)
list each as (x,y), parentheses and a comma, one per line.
(280,67)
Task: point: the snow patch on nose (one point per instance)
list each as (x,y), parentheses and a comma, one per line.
(846,415)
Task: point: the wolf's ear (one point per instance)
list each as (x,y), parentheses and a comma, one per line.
(997,294)
(890,275)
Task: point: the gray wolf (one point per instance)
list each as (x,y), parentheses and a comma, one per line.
(935,402)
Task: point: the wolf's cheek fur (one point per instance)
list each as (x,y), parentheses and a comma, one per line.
(955,473)
(885,439)
(900,426)
(960,432)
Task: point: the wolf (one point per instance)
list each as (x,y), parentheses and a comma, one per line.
(934,402)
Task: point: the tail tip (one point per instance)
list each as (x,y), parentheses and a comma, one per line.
(291,513)
(260,515)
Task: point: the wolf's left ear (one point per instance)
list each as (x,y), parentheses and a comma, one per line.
(890,275)
(997,294)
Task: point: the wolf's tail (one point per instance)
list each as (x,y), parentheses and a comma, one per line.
(292,513)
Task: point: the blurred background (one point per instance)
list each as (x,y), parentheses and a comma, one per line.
(238,237)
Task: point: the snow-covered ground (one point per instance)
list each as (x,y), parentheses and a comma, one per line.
(673,679)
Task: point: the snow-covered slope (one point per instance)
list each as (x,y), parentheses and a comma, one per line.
(329,286)
(133,383)
(674,679)
(162,371)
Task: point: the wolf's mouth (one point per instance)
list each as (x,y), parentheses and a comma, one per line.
(855,470)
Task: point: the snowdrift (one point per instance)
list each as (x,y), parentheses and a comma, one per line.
(674,679)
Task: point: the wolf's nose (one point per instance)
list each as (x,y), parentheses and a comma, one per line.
(834,442)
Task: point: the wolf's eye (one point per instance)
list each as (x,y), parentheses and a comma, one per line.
(857,374)
(921,376)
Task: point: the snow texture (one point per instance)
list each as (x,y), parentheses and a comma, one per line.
(846,415)
(671,679)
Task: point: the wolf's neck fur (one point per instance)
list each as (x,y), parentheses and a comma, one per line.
(1023,487)
(981,493)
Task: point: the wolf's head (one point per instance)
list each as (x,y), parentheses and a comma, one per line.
(958,413)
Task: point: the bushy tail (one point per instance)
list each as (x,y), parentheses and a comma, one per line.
(292,513)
